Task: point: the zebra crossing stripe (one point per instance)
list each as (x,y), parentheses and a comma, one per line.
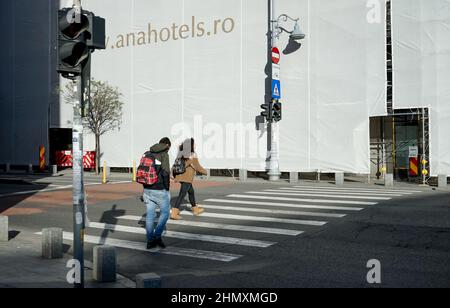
(362,188)
(258,218)
(186,236)
(274,192)
(208,225)
(266,211)
(301,199)
(340,192)
(286,205)
(141,246)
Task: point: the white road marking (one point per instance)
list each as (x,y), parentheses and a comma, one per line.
(65,187)
(274,192)
(266,211)
(361,188)
(258,218)
(289,205)
(340,192)
(30,192)
(187,236)
(301,199)
(140,246)
(223,226)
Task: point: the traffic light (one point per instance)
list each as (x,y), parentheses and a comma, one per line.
(72,42)
(277,111)
(266,113)
(78,34)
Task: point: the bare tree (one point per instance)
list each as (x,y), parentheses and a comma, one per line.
(104,113)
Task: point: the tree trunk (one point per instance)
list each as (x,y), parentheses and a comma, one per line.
(97,154)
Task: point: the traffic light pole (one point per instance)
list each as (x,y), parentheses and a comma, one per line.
(78,185)
(274,167)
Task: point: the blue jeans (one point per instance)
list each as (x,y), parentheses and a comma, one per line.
(153,199)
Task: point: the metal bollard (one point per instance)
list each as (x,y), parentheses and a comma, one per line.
(104,178)
(54,169)
(134,171)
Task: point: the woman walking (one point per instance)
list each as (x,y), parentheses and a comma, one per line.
(187,156)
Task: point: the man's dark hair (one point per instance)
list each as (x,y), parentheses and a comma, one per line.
(166,141)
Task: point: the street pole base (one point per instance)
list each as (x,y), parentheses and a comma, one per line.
(274,177)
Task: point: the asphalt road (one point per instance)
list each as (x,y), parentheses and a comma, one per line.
(261,235)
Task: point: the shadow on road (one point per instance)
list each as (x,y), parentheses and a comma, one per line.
(15,191)
(110,218)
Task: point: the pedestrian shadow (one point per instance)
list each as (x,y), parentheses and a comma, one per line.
(110,218)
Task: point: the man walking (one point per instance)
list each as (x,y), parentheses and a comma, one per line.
(158,194)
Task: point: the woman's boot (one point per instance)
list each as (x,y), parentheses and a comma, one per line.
(196,210)
(175,214)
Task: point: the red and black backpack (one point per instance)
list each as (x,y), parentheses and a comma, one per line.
(148,171)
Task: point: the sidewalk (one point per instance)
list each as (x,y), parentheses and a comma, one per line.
(326,180)
(21,266)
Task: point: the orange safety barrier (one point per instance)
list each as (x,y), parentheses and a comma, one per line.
(41,158)
(413,166)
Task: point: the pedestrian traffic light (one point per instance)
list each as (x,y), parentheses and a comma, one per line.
(277,111)
(73,34)
(79,32)
(266,113)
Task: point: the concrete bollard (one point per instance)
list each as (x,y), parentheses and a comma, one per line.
(148,281)
(54,169)
(339,178)
(243,175)
(389,180)
(30,168)
(4,231)
(52,243)
(105,261)
(293,177)
(8,168)
(442,181)
(208,173)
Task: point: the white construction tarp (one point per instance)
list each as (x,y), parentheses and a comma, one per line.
(198,68)
(421,55)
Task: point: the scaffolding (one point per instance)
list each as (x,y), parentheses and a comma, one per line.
(387,146)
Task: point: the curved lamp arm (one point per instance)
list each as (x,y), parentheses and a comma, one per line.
(280,19)
(284,18)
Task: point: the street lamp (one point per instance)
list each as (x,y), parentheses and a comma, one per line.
(296,34)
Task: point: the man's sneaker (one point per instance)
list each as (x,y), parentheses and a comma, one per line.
(160,243)
(152,244)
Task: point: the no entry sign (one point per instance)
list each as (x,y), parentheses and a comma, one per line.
(276,55)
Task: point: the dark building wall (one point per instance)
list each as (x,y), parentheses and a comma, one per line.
(28,81)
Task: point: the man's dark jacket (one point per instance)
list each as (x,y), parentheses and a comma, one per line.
(161,153)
